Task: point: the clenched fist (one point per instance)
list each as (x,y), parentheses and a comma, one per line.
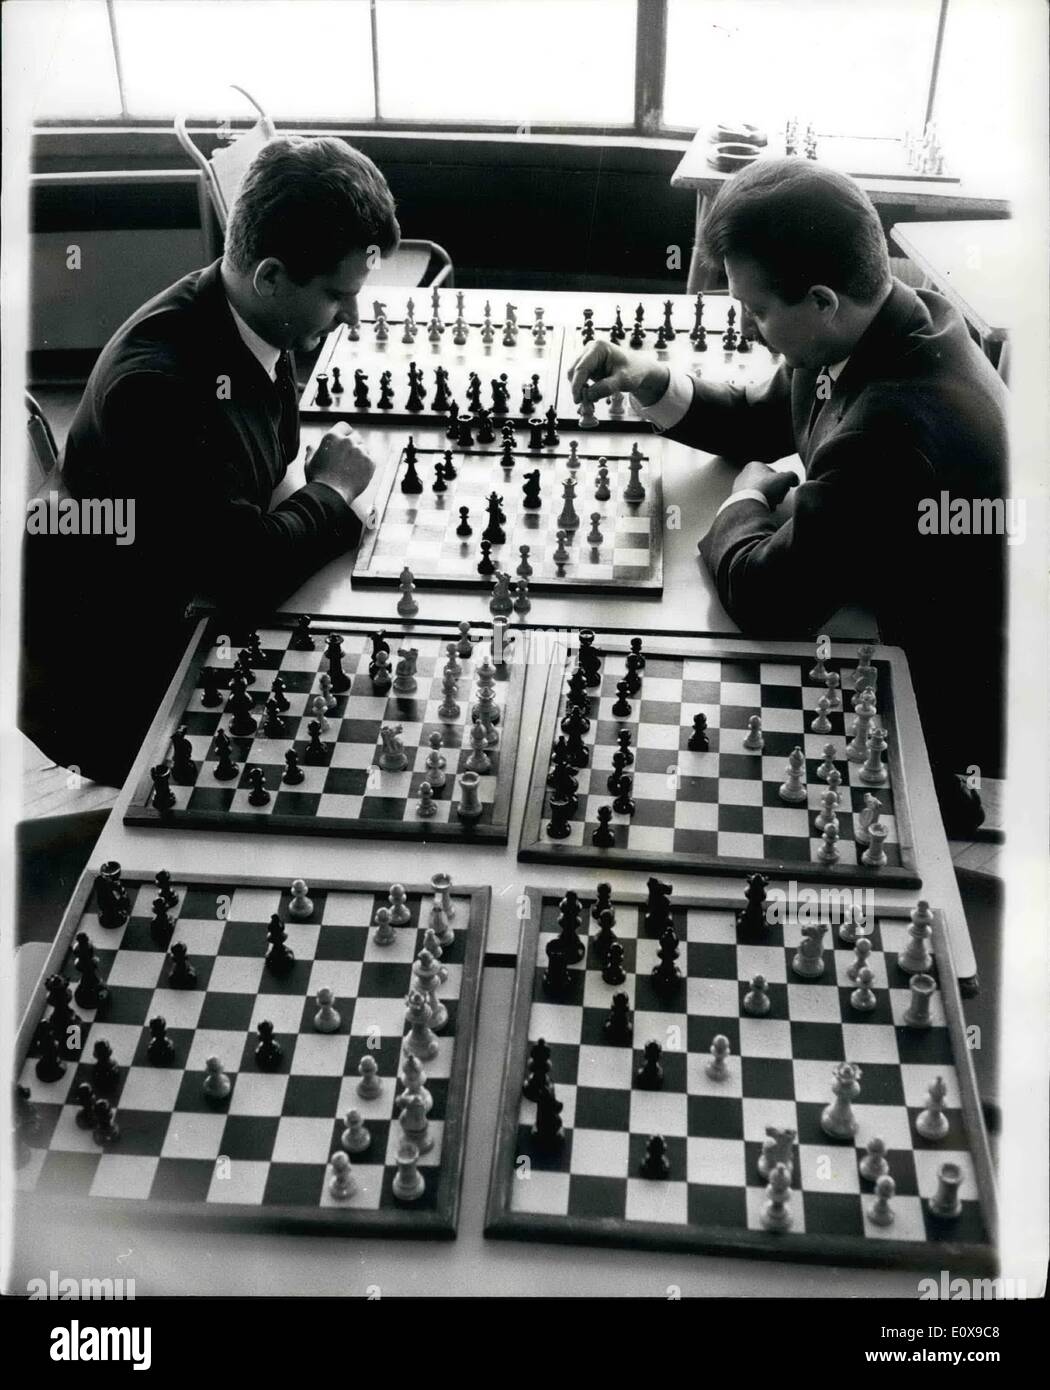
(602,369)
(340,462)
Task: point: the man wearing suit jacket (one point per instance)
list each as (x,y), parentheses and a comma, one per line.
(890,406)
(190,419)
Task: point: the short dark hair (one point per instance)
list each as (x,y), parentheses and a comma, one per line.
(803,224)
(310,202)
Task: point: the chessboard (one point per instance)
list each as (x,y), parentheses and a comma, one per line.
(258,1155)
(703,336)
(707,801)
(569,1164)
(608,545)
(230,758)
(455,352)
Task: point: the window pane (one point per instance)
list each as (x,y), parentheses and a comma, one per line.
(850,69)
(563,62)
(303,61)
(63,54)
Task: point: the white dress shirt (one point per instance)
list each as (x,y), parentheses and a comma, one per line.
(264,353)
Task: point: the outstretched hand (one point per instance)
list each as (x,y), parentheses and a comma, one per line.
(601,369)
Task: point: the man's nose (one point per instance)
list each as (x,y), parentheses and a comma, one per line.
(349,315)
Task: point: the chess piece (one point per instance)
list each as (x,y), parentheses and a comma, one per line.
(341,1185)
(923,987)
(945,1202)
(327,1018)
(879,1211)
(370,1086)
(838,1119)
(408,1184)
(916,958)
(808,960)
(300,906)
(776,1211)
(217,1085)
(874,1164)
(778,1147)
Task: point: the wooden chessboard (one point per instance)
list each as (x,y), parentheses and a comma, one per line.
(259,1158)
(587,1188)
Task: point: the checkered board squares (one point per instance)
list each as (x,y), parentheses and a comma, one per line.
(420,530)
(590,1188)
(520,363)
(347,794)
(720,810)
(261,1155)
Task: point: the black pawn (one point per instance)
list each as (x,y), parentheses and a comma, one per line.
(698,741)
(624,805)
(258,796)
(225,768)
(570,918)
(181,974)
(268,1050)
(293,773)
(623,740)
(183,768)
(622,706)
(464,528)
(547,1131)
(84,1097)
(602,836)
(160,1050)
(439,477)
(105,1073)
(618,1027)
(278,695)
(538,1077)
(602,900)
(211,695)
(656,1164)
(162,928)
(279,957)
(606,935)
(615,779)
(315,749)
(165,891)
(106,1130)
(485,564)
(612,970)
(301,639)
(90,992)
(50,1066)
(650,1075)
(753,916)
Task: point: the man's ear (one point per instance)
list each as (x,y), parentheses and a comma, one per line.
(824,299)
(269,277)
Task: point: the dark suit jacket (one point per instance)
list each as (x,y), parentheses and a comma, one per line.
(917,411)
(179,416)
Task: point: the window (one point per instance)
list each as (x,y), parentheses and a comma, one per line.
(65,66)
(564,62)
(851,69)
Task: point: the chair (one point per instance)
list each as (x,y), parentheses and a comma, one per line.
(42,441)
(416,261)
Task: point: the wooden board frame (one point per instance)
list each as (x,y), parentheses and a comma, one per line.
(503,1223)
(140,811)
(439,1224)
(535,848)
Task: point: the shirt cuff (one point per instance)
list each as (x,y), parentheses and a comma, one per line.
(672,405)
(745,494)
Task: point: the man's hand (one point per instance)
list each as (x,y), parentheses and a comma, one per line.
(340,462)
(602,369)
(773,486)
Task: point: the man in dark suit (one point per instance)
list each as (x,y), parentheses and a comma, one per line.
(190,419)
(890,405)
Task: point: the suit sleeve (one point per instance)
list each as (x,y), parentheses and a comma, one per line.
(736,422)
(199,499)
(785,579)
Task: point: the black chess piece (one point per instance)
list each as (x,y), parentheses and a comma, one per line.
(301,639)
(164,889)
(279,957)
(666,976)
(450,466)
(531,499)
(613,971)
(535,427)
(114,905)
(623,742)
(162,928)
(486,565)
(293,773)
(90,993)
(606,935)
(50,1066)
(439,484)
(556,978)
(650,1075)
(277,694)
(411,483)
(84,1098)
(657,916)
(211,695)
(464,528)
(698,740)
(465,432)
(538,1076)
(559,827)
(273,724)
(106,1130)
(323,397)
(753,916)
(160,1050)
(547,1132)
(361,397)
(268,1051)
(181,974)
(616,777)
(618,1027)
(486,434)
(602,836)
(258,796)
(163,796)
(105,1074)
(315,749)
(624,804)
(656,1164)
(386,392)
(621,708)
(225,768)
(337,381)
(570,919)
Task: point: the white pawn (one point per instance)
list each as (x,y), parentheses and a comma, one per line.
(829,850)
(826,768)
(436,763)
(300,906)
(324,680)
(793,788)
(932,1123)
(874,1164)
(384,934)
(449,709)
(486,672)
(428,974)
(754,743)
(717,1068)
(408,1184)
(452,666)
(370,1086)
(861,951)
(851,930)
(479,760)
(465,645)
(821,724)
(880,1213)
(491,732)
(318,709)
(414,1122)
(426,808)
(407,607)
(777,1147)
(863,997)
(819,672)
(756,1000)
(834,781)
(916,958)
(522,602)
(776,1213)
(832,681)
(421,1041)
(414,1080)
(829,812)
(431,943)
(355,1137)
(217,1085)
(327,1018)
(399,913)
(342,1183)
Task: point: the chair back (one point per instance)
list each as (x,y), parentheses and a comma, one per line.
(227,165)
(44,462)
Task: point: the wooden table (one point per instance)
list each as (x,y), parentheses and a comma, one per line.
(974,264)
(904,199)
(163,1262)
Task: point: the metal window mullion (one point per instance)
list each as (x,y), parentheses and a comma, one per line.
(111,13)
